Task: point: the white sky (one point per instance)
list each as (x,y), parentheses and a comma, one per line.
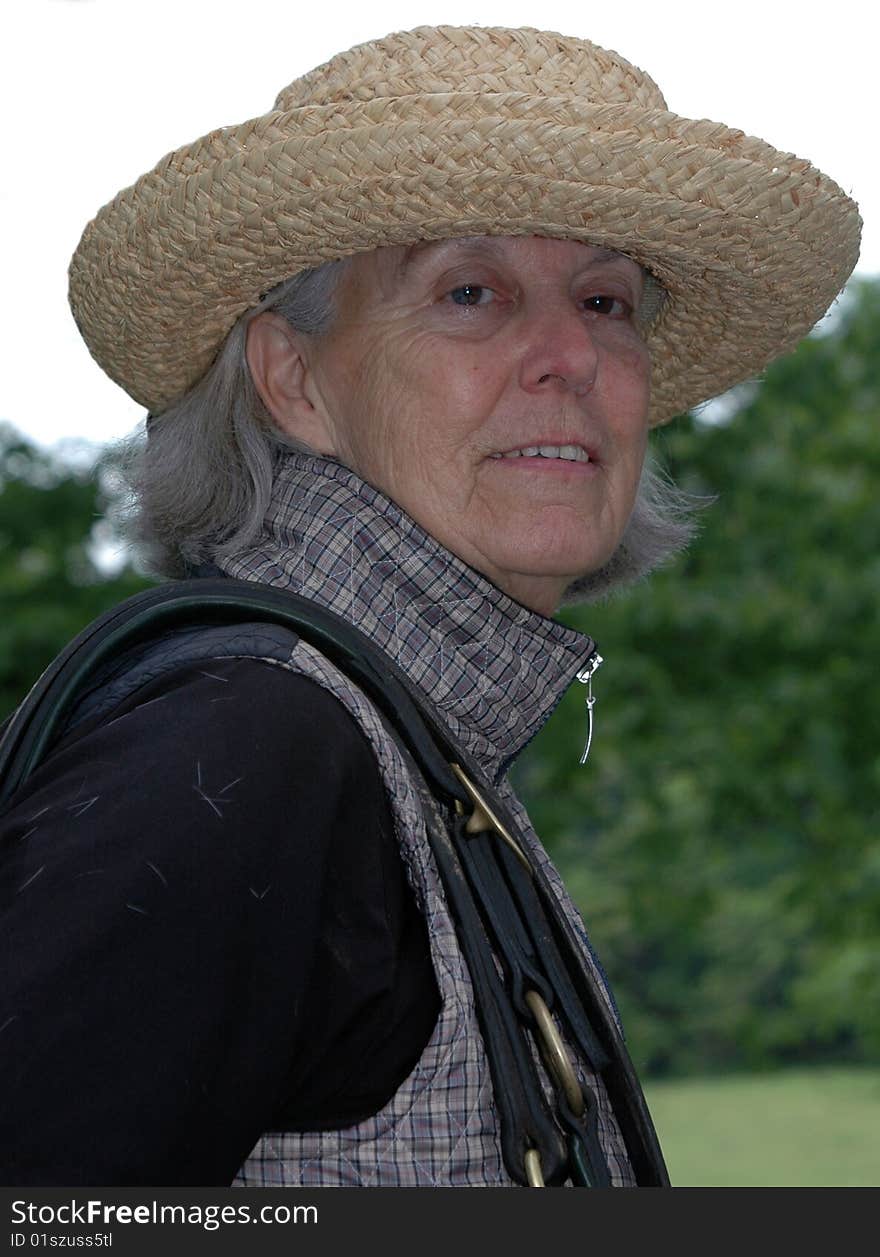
(94,92)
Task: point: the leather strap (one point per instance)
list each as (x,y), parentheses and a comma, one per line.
(499,908)
(30,732)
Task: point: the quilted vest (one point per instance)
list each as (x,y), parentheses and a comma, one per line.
(494,672)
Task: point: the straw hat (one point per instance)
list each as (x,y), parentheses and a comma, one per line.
(456,131)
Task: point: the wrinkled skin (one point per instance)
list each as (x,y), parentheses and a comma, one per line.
(445,356)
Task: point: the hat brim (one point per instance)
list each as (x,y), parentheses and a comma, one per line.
(751,245)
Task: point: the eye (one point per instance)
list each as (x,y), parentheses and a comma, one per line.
(613,307)
(471,295)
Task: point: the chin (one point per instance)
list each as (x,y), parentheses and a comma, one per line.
(563,563)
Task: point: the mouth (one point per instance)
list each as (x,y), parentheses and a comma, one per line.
(563,453)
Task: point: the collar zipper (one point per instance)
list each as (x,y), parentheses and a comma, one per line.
(585,676)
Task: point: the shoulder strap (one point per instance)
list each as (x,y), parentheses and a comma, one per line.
(482,887)
(38,721)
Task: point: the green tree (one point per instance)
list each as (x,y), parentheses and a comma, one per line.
(722,841)
(51,581)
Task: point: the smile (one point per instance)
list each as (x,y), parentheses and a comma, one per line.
(568,453)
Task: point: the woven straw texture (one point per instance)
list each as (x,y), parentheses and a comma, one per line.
(457,131)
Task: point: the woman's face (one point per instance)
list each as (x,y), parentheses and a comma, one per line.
(496,388)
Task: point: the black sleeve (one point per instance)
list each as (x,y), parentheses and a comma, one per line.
(175,883)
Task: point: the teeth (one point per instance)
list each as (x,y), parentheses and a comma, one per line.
(569,453)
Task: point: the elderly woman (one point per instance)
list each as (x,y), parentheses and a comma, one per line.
(402,340)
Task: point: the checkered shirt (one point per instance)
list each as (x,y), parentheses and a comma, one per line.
(494,671)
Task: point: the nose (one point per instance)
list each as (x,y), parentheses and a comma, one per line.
(559,352)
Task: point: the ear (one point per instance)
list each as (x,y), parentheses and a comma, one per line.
(278,359)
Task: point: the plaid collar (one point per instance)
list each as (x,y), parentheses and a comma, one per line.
(492,669)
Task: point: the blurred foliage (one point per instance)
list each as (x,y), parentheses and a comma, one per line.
(51,536)
(722,840)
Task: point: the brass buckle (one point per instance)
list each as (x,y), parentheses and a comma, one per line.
(534,1174)
(483,819)
(558,1060)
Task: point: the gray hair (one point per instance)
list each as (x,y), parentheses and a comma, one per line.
(200,484)
(660,526)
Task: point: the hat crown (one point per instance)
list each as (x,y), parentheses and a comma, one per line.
(444,59)
(463,131)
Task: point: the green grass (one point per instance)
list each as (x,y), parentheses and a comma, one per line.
(799,1128)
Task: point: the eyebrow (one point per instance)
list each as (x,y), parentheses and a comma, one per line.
(414,252)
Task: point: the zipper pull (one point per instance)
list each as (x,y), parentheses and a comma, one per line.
(585,676)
